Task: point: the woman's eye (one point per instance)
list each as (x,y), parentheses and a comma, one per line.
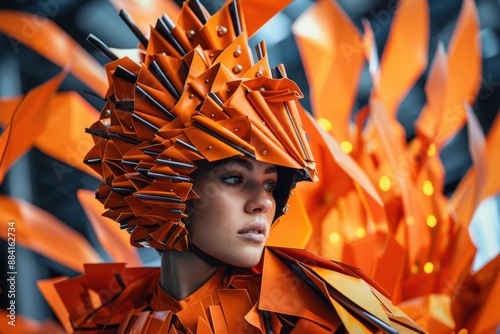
(233,179)
(269,186)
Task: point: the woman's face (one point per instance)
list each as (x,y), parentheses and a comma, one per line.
(231,219)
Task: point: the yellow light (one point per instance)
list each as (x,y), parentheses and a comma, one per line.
(360,232)
(346,146)
(334,238)
(431,150)
(428,188)
(325,124)
(428,267)
(431,220)
(462,331)
(410,220)
(384,183)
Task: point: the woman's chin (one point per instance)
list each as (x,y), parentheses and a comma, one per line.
(247,262)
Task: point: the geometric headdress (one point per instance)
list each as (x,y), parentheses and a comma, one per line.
(196,94)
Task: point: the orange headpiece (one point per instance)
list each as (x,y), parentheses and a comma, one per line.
(196,94)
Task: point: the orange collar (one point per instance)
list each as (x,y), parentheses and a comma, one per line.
(162,301)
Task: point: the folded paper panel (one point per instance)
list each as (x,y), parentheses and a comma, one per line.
(39,231)
(50,38)
(26,123)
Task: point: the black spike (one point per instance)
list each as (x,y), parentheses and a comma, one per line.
(97,133)
(143,121)
(159,198)
(124,138)
(168,21)
(162,27)
(174,163)
(92,161)
(103,48)
(125,105)
(186,145)
(125,74)
(260,50)
(156,103)
(160,75)
(133,27)
(216,98)
(170,177)
(276,73)
(235,17)
(197,9)
(224,140)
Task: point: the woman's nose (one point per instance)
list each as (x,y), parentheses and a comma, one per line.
(259,200)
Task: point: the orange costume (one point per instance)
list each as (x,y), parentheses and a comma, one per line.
(296,292)
(193,92)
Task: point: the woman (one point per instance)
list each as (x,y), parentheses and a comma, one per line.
(199,147)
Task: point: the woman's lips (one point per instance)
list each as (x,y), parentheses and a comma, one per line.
(256,232)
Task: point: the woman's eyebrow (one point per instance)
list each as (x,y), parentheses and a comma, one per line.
(241,162)
(271,170)
(245,164)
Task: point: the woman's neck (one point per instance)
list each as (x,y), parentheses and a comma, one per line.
(182,273)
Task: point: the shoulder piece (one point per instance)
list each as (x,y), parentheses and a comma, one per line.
(103,297)
(330,295)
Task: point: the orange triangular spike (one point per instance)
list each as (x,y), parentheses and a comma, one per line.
(50,294)
(26,123)
(406,48)
(419,240)
(41,232)
(430,119)
(477,149)
(8,106)
(22,28)
(464,52)
(331,49)
(260,12)
(68,111)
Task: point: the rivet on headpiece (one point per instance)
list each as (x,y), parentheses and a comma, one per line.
(259,73)
(237,53)
(107,113)
(264,152)
(213,115)
(211,55)
(190,34)
(207,80)
(236,130)
(221,30)
(262,89)
(209,147)
(191,96)
(237,68)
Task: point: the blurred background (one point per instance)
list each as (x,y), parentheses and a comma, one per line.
(37,178)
